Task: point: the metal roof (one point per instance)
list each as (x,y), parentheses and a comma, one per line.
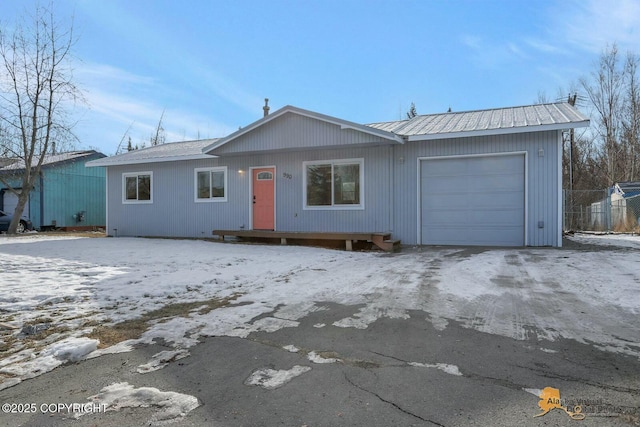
(496,121)
(629,187)
(556,116)
(50,159)
(173,151)
(389,126)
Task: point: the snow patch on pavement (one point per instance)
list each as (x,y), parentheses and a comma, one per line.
(162,359)
(29,366)
(619,240)
(121,347)
(291,348)
(444,367)
(370,314)
(534,391)
(172,405)
(71,349)
(318,358)
(272,379)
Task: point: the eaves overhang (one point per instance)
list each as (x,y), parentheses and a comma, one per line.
(105,162)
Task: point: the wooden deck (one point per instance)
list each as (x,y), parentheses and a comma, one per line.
(381,240)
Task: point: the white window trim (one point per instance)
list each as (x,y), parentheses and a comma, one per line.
(210,199)
(126,175)
(333,207)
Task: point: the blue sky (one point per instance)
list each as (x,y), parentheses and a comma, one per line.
(209,64)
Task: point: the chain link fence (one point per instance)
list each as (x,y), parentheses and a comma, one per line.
(598,210)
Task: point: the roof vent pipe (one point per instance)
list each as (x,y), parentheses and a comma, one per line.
(266,107)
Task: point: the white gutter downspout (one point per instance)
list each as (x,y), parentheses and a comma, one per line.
(392,161)
(559,180)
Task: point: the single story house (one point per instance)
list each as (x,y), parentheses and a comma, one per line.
(66,194)
(489,177)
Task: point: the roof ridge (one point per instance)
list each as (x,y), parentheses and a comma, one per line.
(478,110)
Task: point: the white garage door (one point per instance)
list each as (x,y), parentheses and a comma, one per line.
(11,201)
(473,200)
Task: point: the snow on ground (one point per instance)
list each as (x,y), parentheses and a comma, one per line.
(123,395)
(318,358)
(55,290)
(444,367)
(162,359)
(271,378)
(616,239)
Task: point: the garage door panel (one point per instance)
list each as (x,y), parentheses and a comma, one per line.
(446,216)
(495,237)
(481,165)
(479,202)
(474,236)
(444,169)
(502,199)
(465,183)
(486,218)
(444,184)
(461,199)
(448,236)
(450,201)
(478,218)
(493,182)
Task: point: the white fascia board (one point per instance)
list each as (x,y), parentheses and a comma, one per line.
(98,163)
(501,131)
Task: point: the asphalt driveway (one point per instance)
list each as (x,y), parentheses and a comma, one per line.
(445,337)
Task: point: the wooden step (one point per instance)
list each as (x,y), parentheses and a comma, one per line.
(383,241)
(390,245)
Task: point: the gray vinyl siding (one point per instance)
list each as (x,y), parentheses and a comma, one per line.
(296,132)
(390,184)
(174,213)
(542,179)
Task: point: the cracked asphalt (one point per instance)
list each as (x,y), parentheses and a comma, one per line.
(397,372)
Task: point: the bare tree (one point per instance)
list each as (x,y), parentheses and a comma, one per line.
(159,137)
(36,87)
(605,94)
(542,98)
(631,118)
(120,149)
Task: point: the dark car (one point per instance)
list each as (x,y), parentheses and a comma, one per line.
(5,219)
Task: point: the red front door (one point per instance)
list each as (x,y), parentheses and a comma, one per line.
(264,199)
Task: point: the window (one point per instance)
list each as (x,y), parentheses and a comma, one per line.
(137,187)
(211,184)
(265,176)
(333,184)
